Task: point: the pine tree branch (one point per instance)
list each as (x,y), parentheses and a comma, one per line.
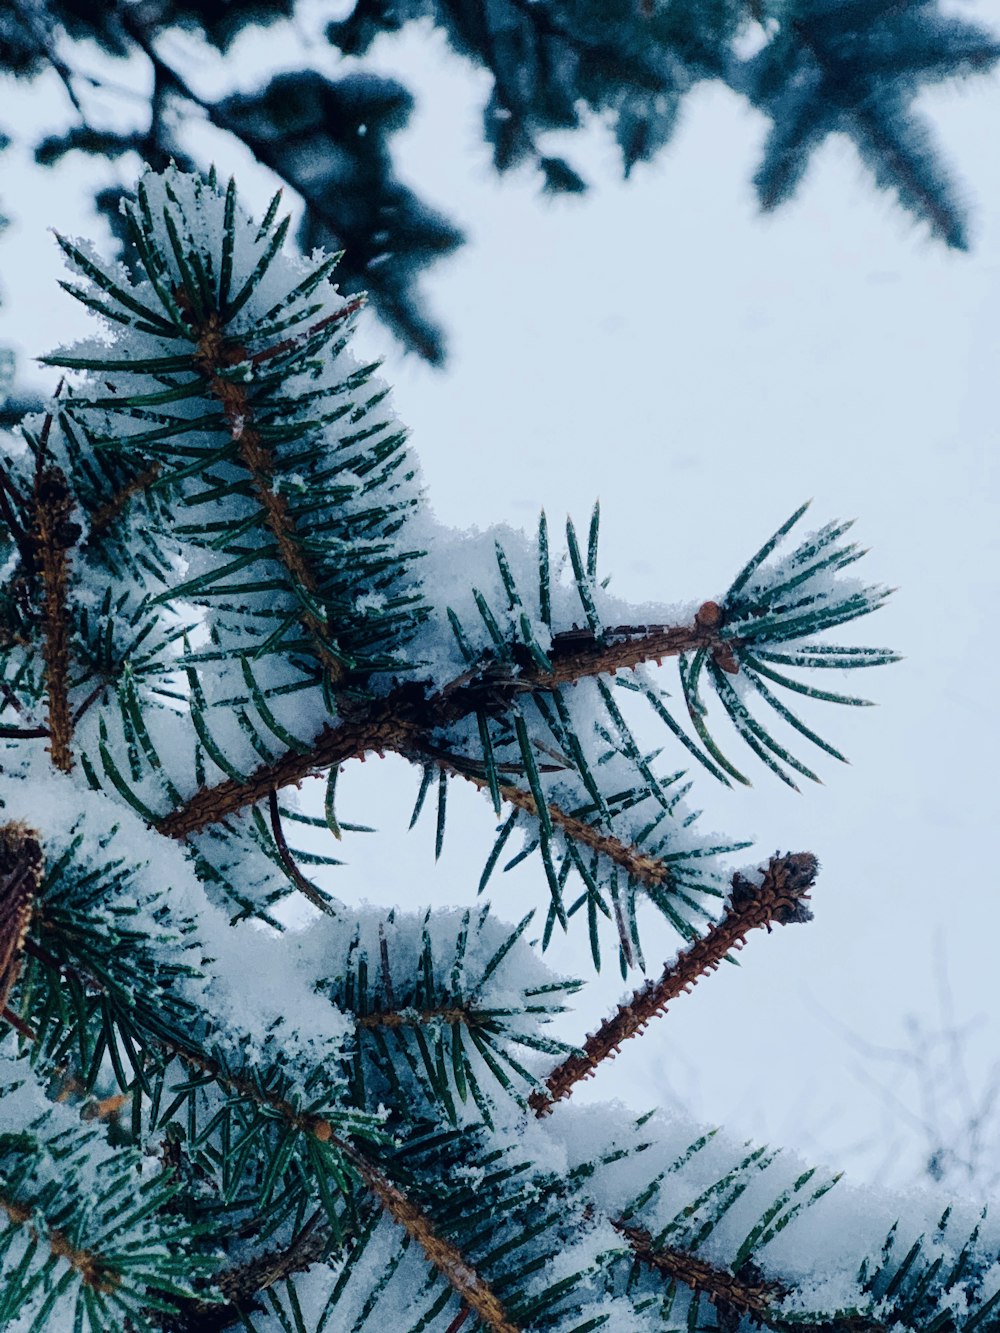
(942,219)
(754,1297)
(103,518)
(381,728)
(649,870)
(94,1272)
(214,353)
(54,533)
(746,1294)
(238,1286)
(781,896)
(404,721)
(445,1257)
(440,1252)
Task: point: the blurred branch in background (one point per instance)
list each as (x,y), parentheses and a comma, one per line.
(128,82)
(941,1098)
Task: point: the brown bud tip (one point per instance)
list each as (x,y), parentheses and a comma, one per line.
(797,870)
(708,615)
(323,1130)
(784,889)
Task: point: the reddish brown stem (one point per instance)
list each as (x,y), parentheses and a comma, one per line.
(781,896)
(755,1297)
(404,720)
(94,1273)
(214,353)
(380,730)
(747,1294)
(54,534)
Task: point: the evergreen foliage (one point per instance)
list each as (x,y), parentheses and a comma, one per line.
(812,67)
(221,579)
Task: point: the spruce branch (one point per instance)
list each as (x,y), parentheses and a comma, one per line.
(646,869)
(471,1287)
(746,1294)
(381,728)
(222,353)
(440,1252)
(780,897)
(103,517)
(446,1258)
(93,1270)
(752,1296)
(306,1122)
(214,353)
(403,721)
(54,534)
(276,1097)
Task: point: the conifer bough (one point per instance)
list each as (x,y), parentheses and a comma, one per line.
(221,584)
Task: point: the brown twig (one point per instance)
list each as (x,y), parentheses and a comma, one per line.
(781,896)
(753,1296)
(453,1015)
(649,870)
(53,535)
(108,512)
(381,729)
(214,353)
(474,1291)
(94,1272)
(263,1271)
(238,1286)
(744,1294)
(403,721)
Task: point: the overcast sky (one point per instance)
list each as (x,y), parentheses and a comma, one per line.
(703,370)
